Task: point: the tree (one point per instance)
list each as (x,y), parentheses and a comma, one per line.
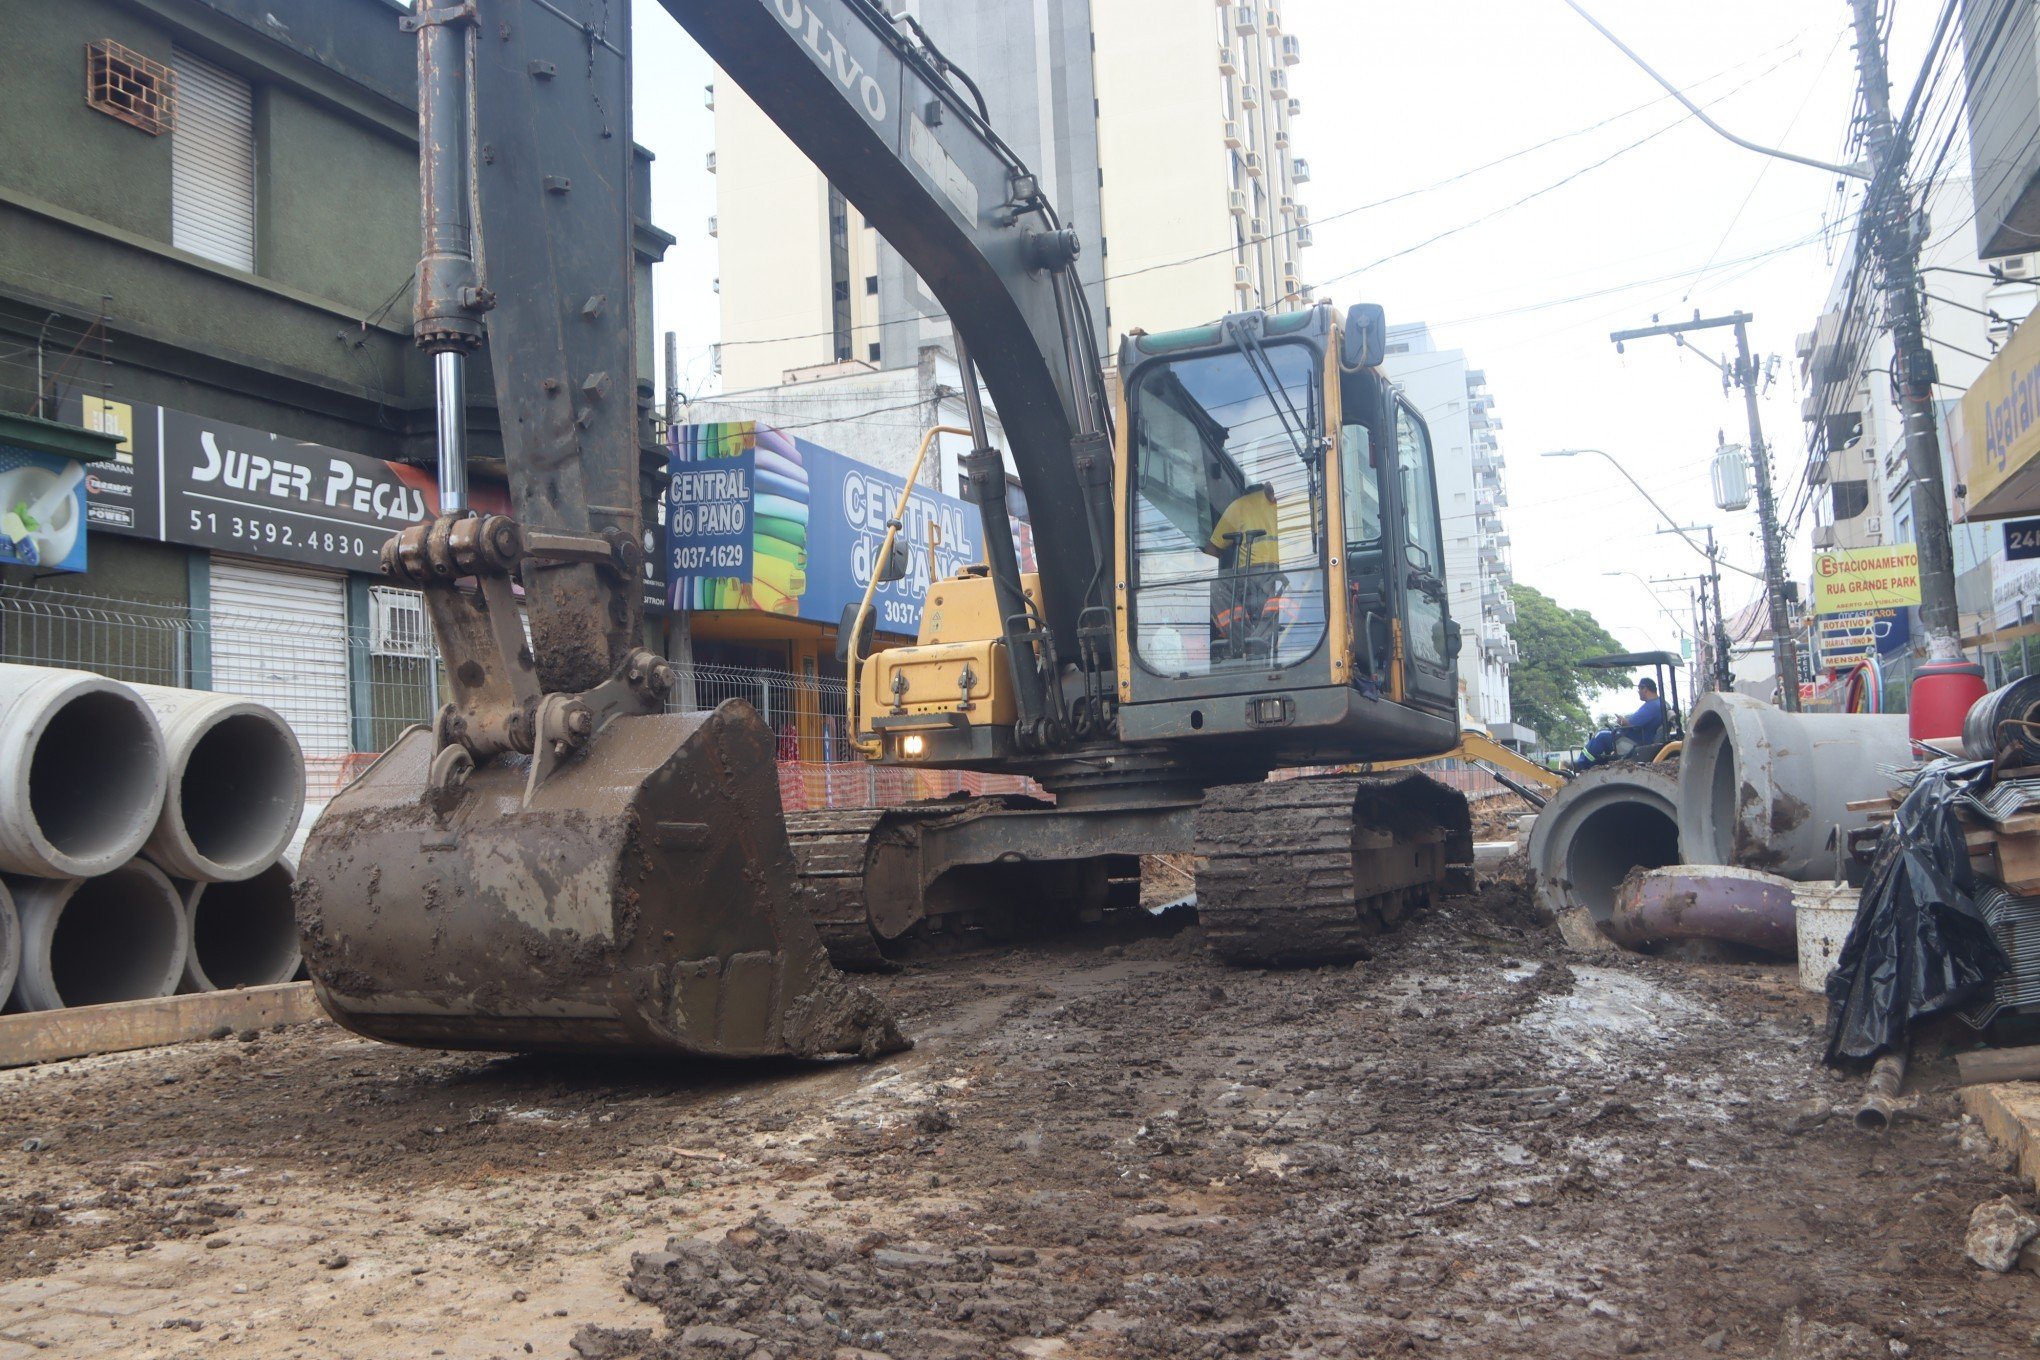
(1547,685)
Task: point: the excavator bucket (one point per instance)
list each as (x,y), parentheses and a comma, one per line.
(641,898)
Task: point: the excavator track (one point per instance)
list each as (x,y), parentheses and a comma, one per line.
(829,853)
(1308,871)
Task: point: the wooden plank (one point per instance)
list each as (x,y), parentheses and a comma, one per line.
(2023,825)
(2019,860)
(1999,1064)
(46,1036)
(2010,1114)
(1867,804)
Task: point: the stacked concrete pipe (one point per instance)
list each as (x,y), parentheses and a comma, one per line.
(82,772)
(1765,789)
(236,784)
(10,943)
(243,933)
(117,936)
(1599,828)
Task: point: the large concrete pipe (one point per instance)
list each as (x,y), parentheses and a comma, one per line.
(1765,789)
(236,785)
(82,772)
(1597,829)
(10,944)
(243,933)
(86,941)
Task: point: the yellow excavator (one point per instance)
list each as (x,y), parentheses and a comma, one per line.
(1240,575)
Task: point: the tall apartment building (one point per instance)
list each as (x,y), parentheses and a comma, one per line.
(1454,400)
(1162,130)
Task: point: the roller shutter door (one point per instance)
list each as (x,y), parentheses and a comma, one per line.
(212,164)
(281,637)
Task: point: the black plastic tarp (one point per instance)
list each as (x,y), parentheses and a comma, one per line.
(1919,946)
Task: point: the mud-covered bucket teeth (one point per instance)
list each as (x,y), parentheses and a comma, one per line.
(643,901)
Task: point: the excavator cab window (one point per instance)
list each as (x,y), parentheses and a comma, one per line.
(1228,559)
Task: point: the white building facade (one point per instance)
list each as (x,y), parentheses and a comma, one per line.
(1162,130)
(1454,401)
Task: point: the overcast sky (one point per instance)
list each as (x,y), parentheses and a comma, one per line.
(1398,97)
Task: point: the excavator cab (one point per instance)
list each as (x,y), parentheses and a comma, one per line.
(1281,556)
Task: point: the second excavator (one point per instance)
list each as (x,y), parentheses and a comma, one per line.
(1240,576)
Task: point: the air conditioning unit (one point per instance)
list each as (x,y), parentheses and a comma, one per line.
(712,231)
(1244,20)
(1237,200)
(1232,135)
(1273,17)
(1288,206)
(1304,239)
(1874,526)
(1250,96)
(711,162)
(1282,136)
(397,625)
(2017,267)
(1295,107)
(1243,278)
(1257,228)
(708,96)
(1823,537)
(1299,170)
(1292,50)
(1278,84)
(1228,64)
(1303,214)
(1250,161)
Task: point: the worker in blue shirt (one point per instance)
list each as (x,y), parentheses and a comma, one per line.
(1645,727)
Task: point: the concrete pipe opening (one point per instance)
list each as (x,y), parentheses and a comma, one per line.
(243,933)
(237,785)
(1597,830)
(1761,788)
(84,761)
(85,942)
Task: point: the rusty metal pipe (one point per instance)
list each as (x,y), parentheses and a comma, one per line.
(1706,902)
(1880,1095)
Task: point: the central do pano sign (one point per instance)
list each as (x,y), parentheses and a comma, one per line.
(759,519)
(1866,578)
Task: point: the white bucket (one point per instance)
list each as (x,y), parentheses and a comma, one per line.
(1825,913)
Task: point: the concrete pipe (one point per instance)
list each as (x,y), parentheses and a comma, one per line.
(1597,829)
(10,944)
(1765,789)
(243,933)
(87,941)
(82,772)
(236,785)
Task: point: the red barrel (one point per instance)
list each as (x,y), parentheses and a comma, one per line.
(1942,694)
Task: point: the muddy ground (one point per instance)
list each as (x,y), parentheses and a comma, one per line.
(1476,1143)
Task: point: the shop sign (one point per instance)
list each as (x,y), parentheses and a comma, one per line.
(1994,433)
(42,510)
(205,483)
(1849,639)
(1866,578)
(2022,540)
(768,521)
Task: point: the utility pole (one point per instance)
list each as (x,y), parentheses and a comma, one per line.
(1745,374)
(1946,685)
(1724,674)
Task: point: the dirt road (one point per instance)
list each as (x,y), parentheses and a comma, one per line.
(1474,1144)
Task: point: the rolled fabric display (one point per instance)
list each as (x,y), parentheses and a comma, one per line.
(766,506)
(781,575)
(786,530)
(768,597)
(767,545)
(781,465)
(773,484)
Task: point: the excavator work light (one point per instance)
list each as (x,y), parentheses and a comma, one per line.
(913,745)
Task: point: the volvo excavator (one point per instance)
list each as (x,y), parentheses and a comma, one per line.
(1240,574)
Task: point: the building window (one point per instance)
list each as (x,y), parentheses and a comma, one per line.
(128,86)
(874,351)
(212,164)
(871,285)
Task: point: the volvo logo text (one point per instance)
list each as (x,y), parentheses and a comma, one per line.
(833,56)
